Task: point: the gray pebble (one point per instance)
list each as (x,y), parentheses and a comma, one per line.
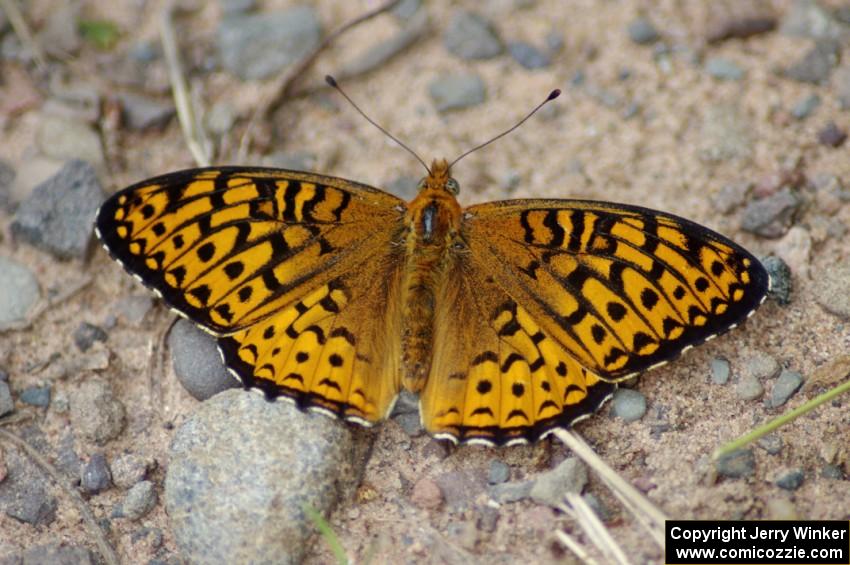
(809,19)
(738,464)
(642,32)
(411,424)
(133,309)
(723,69)
(832,289)
(785,386)
(67,139)
(58,554)
(816,66)
(832,472)
(760,365)
(36,396)
(791,480)
(510,180)
(95,476)
(86,334)
(24,492)
(405,187)
(128,469)
(569,476)
(405,9)
(141,112)
(731,196)
(59,213)
(499,472)
(66,457)
(781,282)
(841,84)
(258,46)
(511,492)
(145,51)
(720,371)
(139,500)
(221,513)
(459,488)
(773,215)
(18,292)
(771,443)
(749,388)
(381,52)
(831,135)
(454,92)
(233,7)
(628,405)
(470,36)
(528,55)
(7,405)
(196,361)
(805,106)
(95,412)
(220,117)
(554,41)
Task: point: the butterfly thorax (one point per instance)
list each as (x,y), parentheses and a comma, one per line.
(432,225)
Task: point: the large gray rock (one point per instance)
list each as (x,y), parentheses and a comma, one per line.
(241,471)
(257,46)
(59,213)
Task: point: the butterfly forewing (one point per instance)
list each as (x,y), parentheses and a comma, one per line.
(620,288)
(228,247)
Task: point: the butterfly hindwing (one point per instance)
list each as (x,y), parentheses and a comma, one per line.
(620,288)
(228,247)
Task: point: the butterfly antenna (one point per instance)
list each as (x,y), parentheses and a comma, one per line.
(333,84)
(552,95)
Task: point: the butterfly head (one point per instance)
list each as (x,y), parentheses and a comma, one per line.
(439,178)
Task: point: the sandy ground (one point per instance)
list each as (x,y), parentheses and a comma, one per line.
(580,148)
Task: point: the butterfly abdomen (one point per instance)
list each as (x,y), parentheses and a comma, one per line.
(432,222)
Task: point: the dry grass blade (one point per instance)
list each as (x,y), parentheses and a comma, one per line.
(578,550)
(196,138)
(91,525)
(22,30)
(594,529)
(644,511)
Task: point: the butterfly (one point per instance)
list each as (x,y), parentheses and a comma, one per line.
(510,319)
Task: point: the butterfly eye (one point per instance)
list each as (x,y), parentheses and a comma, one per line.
(452,186)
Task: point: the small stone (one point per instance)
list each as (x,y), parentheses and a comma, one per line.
(771,443)
(258,46)
(760,365)
(816,66)
(832,136)
(832,289)
(791,480)
(780,279)
(86,334)
(738,464)
(642,32)
(427,494)
(749,388)
(140,499)
(405,187)
(832,472)
(95,477)
(785,386)
(58,554)
(723,69)
(411,424)
(772,215)
(841,86)
(569,476)
(470,36)
(780,508)
(95,412)
(808,18)
(59,213)
(220,117)
(720,371)
(19,292)
(141,112)
(527,55)
(133,309)
(24,493)
(7,405)
(488,519)
(731,196)
(405,9)
(383,51)
(510,180)
(68,139)
(196,361)
(804,107)
(66,457)
(36,396)
(741,26)
(511,492)
(499,472)
(554,41)
(455,92)
(233,7)
(628,404)
(795,248)
(60,35)
(128,469)
(460,487)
